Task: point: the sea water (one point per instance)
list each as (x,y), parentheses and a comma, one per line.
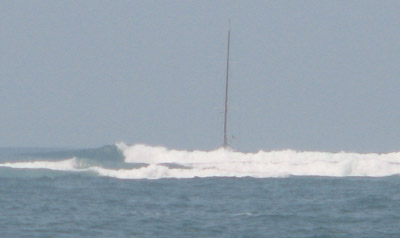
(145,191)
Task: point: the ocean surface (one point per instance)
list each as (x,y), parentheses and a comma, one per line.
(146,191)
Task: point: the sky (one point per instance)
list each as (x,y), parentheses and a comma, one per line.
(305,75)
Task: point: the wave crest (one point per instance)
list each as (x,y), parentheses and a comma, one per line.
(226,163)
(152,162)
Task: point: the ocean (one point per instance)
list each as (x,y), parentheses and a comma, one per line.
(147,191)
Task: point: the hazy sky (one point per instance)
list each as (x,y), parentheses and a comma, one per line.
(305,75)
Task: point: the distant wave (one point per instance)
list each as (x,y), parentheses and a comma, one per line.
(65,165)
(160,162)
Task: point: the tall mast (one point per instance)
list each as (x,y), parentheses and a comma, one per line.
(226,88)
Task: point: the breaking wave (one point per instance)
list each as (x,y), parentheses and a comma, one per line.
(65,165)
(149,162)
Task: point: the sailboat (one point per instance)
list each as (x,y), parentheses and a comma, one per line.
(226,145)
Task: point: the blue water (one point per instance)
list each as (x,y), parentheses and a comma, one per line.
(49,203)
(87,206)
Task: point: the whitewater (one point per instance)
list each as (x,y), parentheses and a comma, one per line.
(156,162)
(152,191)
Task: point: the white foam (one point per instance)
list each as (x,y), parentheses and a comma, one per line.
(225,163)
(64,165)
